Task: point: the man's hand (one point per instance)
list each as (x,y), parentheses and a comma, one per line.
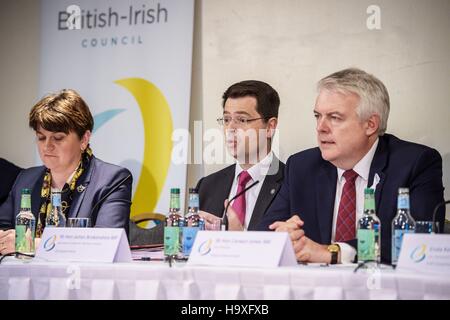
(233,221)
(7,241)
(305,249)
(212,222)
(293,223)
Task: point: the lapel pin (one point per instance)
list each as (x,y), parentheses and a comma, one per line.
(272,191)
(81,188)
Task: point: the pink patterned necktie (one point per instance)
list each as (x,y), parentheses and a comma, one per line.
(346,220)
(239,203)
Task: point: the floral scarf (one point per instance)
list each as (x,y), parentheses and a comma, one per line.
(66,193)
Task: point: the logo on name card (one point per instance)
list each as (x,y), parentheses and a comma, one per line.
(205,247)
(419,253)
(50,243)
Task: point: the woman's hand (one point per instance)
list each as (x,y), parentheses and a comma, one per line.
(7,241)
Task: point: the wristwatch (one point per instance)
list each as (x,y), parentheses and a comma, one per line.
(334,250)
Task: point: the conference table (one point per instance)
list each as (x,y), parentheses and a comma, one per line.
(157,280)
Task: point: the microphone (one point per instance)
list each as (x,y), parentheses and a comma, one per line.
(121,182)
(236,196)
(439,205)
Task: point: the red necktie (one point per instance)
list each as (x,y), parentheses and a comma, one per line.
(346,220)
(239,203)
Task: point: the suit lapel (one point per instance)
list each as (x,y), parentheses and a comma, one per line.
(80,190)
(36,195)
(269,190)
(325,196)
(378,164)
(223,189)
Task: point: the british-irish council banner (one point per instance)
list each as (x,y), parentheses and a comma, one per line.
(131,62)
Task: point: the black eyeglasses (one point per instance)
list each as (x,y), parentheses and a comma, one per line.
(241,121)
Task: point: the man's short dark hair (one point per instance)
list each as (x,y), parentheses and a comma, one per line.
(267,99)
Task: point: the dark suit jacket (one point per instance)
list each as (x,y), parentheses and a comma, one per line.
(215,188)
(8,174)
(309,188)
(98,180)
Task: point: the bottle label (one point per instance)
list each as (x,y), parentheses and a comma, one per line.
(189,234)
(24,239)
(403,202)
(56,199)
(194,201)
(366,245)
(397,240)
(171,240)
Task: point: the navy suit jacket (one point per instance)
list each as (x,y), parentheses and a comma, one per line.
(8,174)
(309,189)
(98,180)
(215,188)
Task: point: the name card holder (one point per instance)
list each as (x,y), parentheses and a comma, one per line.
(425,253)
(84,245)
(242,249)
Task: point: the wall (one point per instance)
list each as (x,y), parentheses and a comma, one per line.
(19,65)
(291,44)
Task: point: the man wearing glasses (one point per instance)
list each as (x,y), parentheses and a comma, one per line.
(250,118)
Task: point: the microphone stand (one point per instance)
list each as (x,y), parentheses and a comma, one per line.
(224,215)
(439,205)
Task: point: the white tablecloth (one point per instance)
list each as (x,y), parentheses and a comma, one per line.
(155,280)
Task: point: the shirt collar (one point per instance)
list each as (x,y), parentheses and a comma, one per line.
(257,171)
(362,168)
(67,181)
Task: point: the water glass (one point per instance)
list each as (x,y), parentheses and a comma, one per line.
(424,227)
(79,223)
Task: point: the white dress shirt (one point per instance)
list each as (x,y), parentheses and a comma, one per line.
(258,172)
(362,168)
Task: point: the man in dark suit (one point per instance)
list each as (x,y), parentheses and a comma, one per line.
(322,195)
(250,118)
(8,174)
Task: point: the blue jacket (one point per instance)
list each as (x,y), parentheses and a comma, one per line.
(98,180)
(309,189)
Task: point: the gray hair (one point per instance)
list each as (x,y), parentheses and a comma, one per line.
(374,98)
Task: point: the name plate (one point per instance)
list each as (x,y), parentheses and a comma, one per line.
(429,253)
(243,249)
(84,245)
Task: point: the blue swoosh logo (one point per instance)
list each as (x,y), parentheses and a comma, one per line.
(103,117)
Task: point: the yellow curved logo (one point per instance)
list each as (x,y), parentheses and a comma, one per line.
(205,247)
(419,253)
(158,127)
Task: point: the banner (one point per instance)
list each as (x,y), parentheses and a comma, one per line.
(131,62)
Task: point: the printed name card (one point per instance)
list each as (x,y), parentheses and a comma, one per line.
(84,245)
(243,249)
(429,253)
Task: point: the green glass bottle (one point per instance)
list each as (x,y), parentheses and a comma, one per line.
(368,233)
(172,226)
(25,226)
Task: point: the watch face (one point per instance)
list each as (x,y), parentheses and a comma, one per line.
(333,248)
